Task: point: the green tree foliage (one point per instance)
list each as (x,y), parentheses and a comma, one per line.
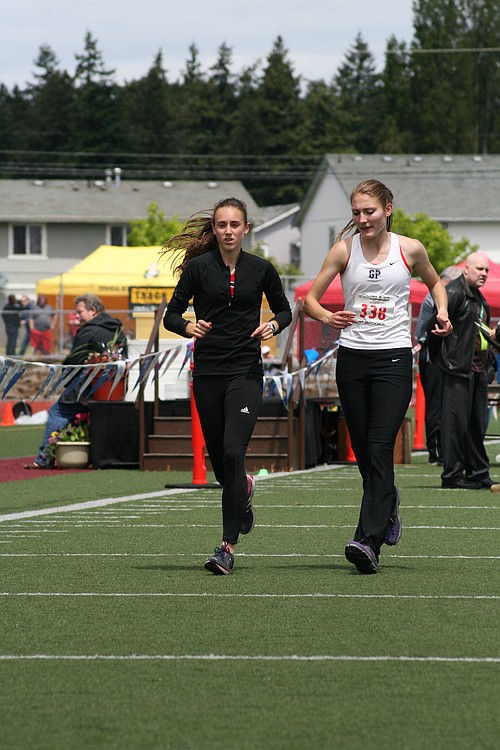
(280,107)
(97,114)
(192,116)
(264,125)
(277,118)
(457,91)
(438,242)
(148,106)
(321,129)
(443,122)
(395,134)
(358,88)
(154,230)
(52,98)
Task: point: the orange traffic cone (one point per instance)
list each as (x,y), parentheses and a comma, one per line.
(350,453)
(8,415)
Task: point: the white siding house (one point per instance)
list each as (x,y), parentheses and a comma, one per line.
(461,192)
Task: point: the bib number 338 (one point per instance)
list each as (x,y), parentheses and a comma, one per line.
(374,308)
(372,311)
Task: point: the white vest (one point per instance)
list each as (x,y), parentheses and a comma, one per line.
(379,295)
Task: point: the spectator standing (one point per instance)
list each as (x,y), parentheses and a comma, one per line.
(430,375)
(42,323)
(26,308)
(12,320)
(463,358)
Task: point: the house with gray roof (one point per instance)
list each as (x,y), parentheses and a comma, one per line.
(47,226)
(461,192)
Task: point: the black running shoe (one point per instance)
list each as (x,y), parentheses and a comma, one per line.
(222,561)
(362,556)
(395,526)
(249,518)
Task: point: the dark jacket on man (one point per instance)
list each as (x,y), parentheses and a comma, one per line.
(454,353)
(95,336)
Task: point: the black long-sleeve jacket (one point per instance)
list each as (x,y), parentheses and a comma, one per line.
(455,352)
(228,347)
(93,336)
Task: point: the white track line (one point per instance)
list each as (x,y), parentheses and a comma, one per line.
(250,657)
(88,504)
(241,555)
(105,525)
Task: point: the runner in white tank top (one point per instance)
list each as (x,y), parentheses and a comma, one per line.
(379,295)
(374,362)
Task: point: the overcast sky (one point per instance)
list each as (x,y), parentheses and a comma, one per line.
(129,33)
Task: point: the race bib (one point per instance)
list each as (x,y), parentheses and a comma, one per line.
(374,309)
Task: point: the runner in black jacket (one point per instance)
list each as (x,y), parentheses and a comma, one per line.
(226,285)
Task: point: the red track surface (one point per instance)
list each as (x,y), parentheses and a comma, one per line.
(12,470)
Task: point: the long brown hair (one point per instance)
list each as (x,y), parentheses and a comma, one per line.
(375,189)
(197,237)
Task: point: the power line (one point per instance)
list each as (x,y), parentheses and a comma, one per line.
(441,50)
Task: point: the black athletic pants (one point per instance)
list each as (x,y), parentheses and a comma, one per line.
(228,407)
(463,427)
(375,390)
(431,377)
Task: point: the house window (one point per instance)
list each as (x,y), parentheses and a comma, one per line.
(27,239)
(295,254)
(118,235)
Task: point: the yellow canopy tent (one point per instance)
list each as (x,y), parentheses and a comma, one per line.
(111,272)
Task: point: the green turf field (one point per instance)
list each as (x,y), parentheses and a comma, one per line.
(114,636)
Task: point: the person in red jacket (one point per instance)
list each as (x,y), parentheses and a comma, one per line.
(226,285)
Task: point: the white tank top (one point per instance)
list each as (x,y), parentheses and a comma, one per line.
(379,295)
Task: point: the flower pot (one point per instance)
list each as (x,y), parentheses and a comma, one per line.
(72,455)
(103,392)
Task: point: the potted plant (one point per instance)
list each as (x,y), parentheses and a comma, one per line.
(71,446)
(113,351)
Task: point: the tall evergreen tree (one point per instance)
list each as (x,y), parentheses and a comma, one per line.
(321,132)
(274,114)
(280,104)
(97,107)
(396,132)
(221,90)
(17,117)
(483,32)
(52,104)
(247,131)
(358,88)
(192,109)
(442,80)
(147,105)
